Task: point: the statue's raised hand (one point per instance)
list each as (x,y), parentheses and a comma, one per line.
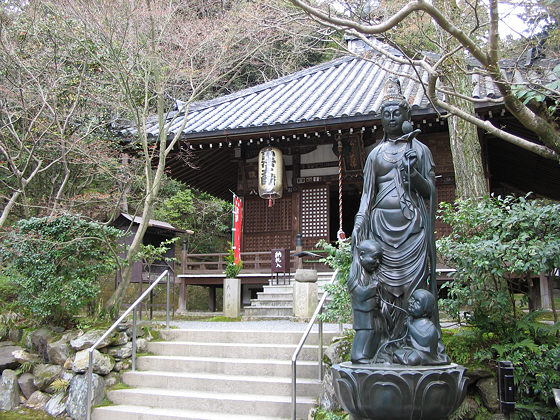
(410,158)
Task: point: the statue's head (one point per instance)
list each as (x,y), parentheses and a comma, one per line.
(370,253)
(421,304)
(395,110)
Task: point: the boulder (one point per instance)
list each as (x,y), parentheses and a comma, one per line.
(15,334)
(102,364)
(336,353)
(488,389)
(56,406)
(7,359)
(39,340)
(122,365)
(23,356)
(139,331)
(67,375)
(37,400)
(88,339)
(141,345)
(119,339)
(121,352)
(68,363)
(45,375)
(122,327)
(475,375)
(112,379)
(59,351)
(26,385)
(9,390)
(27,340)
(328,399)
(76,405)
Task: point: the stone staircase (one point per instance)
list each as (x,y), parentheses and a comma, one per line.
(276,301)
(218,375)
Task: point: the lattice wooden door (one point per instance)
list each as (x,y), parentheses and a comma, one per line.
(314,215)
(266,227)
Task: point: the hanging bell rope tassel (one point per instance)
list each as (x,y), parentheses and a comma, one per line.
(340,234)
(270,202)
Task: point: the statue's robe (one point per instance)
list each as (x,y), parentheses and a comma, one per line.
(403,232)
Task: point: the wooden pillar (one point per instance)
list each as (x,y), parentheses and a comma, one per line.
(212,298)
(546,293)
(182,302)
(296,199)
(534,294)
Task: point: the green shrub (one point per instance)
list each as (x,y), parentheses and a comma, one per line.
(321,414)
(232,269)
(8,295)
(494,241)
(339,309)
(55,265)
(207,216)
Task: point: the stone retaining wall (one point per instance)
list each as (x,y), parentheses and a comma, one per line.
(46,369)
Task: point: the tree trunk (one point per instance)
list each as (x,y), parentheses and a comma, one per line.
(6,211)
(124,187)
(470,181)
(153,184)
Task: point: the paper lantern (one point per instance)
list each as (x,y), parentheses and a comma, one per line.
(271,169)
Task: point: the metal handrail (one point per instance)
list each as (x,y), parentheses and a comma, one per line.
(318,310)
(112,327)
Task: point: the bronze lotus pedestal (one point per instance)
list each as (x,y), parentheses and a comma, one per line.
(397,392)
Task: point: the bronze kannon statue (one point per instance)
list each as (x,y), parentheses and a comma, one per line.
(393,247)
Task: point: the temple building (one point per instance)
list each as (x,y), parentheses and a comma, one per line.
(324,120)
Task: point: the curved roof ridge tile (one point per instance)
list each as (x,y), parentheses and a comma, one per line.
(342,82)
(343,105)
(195,106)
(327,77)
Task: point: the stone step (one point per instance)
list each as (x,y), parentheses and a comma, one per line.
(231,350)
(269,303)
(281,295)
(283,311)
(138,412)
(274,296)
(288,289)
(208,382)
(228,366)
(222,402)
(277,289)
(243,336)
(219,374)
(266,317)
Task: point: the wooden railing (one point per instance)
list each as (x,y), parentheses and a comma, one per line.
(253,262)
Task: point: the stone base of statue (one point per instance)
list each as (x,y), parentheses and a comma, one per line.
(392,391)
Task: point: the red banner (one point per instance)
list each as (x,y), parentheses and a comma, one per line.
(237,228)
